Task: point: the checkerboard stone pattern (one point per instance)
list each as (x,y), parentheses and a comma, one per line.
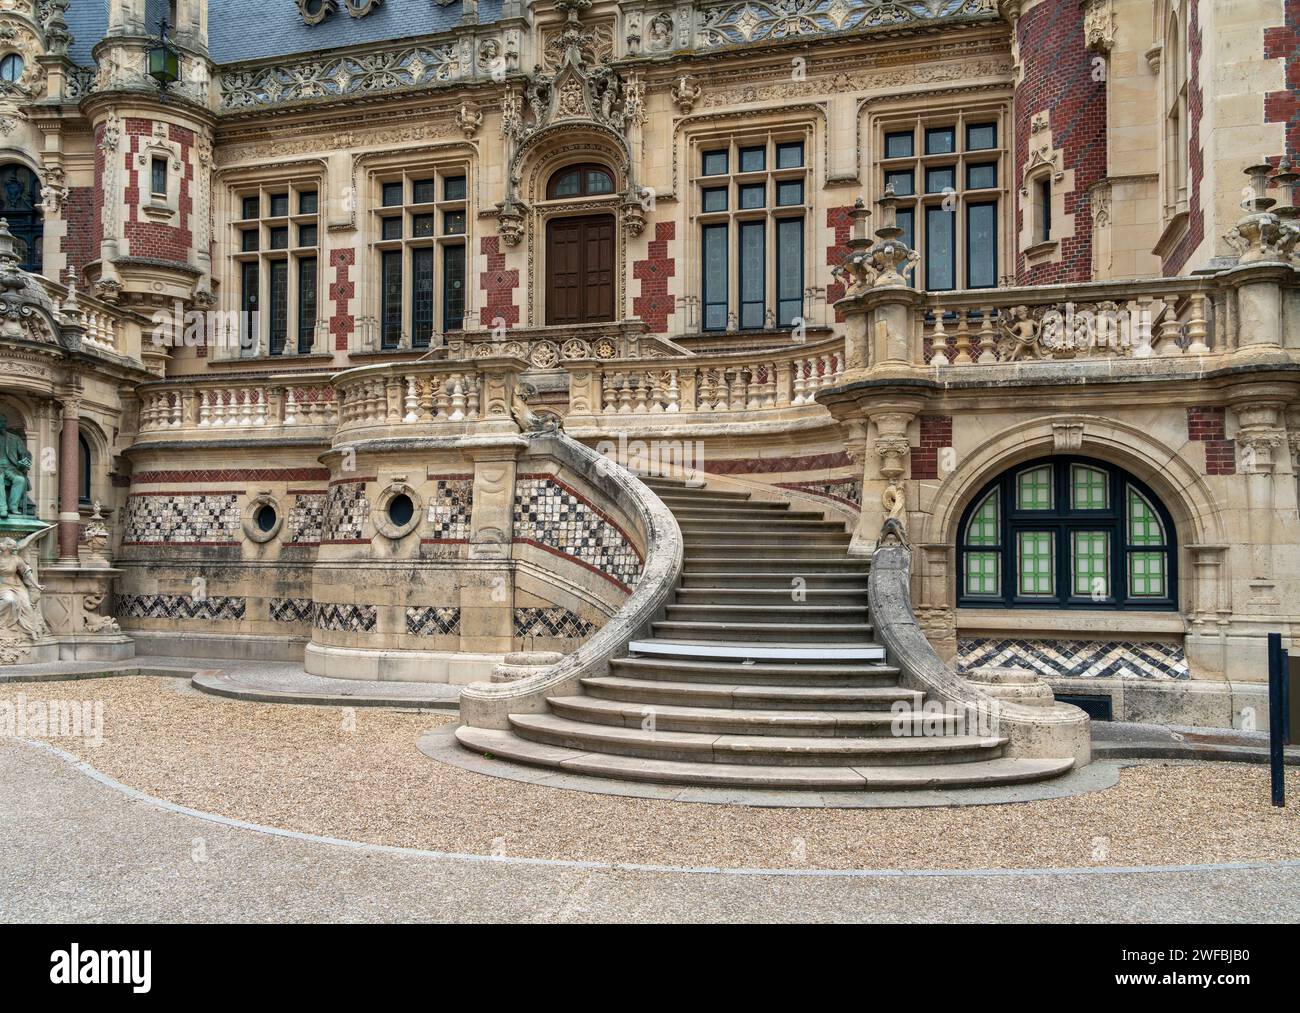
(846,491)
(306,520)
(450,506)
(295,611)
(216,608)
(346,510)
(545,512)
(346,618)
(211,518)
(555,621)
(1076,658)
(434,621)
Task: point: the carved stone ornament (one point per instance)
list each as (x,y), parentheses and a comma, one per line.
(313,12)
(685,92)
(469,119)
(1099,26)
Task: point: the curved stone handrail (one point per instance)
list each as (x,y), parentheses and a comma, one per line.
(1056,731)
(489,705)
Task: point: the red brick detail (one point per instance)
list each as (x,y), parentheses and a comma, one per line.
(342,290)
(1284,106)
(936,433)
(655,304)
(1179,255)
(152,239)
(499,284)
(841,221)
(1059,76)
(1207,425)
(78,242)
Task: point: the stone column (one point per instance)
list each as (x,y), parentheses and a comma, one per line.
(69,481)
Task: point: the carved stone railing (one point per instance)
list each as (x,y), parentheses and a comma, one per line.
(703,388)
(234,404)
(396,399)
(105,326)
(556,347)
(1165,318)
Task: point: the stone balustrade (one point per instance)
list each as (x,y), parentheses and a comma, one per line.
(209,403)
(1169,318)
(451,395)
(103,326)
(706,386)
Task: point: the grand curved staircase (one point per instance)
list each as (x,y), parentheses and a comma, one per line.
(763,673)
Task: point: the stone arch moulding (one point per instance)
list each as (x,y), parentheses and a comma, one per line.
(1195,511)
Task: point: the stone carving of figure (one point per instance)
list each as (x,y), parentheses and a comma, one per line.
(20,595)
(15,462)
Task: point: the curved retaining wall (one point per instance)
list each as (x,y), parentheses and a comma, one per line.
(488,705)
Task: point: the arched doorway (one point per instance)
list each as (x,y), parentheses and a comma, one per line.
(580,250)
(20,205)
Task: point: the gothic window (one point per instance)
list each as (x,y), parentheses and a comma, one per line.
(751,201)
(420,226)
(83,469)
(1066,532)
(1174,63)
(20,205)
(277,239)
(949,172)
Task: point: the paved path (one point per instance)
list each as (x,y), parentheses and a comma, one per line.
(73,848)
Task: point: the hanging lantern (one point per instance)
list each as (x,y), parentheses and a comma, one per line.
(164,61)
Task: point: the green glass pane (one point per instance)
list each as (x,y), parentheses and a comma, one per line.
(1144,527)
(1146,575)
(983,573)
(1090,564)
(1036,562)
(1089,488)
(1034,489)
(983,527)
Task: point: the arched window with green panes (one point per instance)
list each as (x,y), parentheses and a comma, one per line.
(1066,532)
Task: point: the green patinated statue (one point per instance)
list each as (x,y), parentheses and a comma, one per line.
(15,463)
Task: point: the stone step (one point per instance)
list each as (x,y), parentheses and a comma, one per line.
(742,633)
(739,721)
(506,745)
(847,580)
(781,525)
(747,511)
(750,697)
(774,555)
(741,594)
(794,675)
(763,614)
(827,651)
(720,501)
(797,537)
(777,750)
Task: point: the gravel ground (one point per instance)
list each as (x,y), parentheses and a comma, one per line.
(357,774)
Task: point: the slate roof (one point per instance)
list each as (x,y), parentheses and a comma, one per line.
(253,29)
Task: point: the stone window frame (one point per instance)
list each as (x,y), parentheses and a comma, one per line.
(167,210)
(920,116)
(1174,85)
(1064,521)
(384,525)
(733,137)
(248,519)
(407,170)
(264,185)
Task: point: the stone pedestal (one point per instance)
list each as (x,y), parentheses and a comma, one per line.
(74,603)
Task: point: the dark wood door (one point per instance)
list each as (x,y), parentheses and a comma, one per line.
(580,270)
